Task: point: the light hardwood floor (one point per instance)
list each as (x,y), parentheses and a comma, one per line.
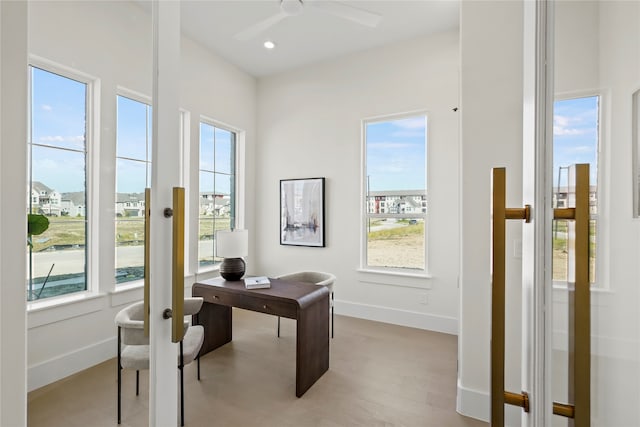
(379,375)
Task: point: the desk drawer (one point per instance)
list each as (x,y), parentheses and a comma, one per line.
(248,302)
(278,308)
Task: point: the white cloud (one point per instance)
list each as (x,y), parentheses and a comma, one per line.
(51,138)
(561,131)
(412,123)
(385,145)
(579,149)
(569,125)
(77,140)
(46,107)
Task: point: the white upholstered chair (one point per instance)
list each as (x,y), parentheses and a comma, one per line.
(133,346)
(317,278)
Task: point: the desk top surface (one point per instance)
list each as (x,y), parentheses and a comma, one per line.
(300,292)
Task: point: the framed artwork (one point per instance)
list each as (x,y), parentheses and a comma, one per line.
(302,212)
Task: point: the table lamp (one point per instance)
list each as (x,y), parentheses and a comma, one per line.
(232,246)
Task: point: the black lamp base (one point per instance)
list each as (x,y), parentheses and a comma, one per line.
(232,269)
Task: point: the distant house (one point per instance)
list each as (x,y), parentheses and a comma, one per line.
(44,200)
(130,204)
(562,194)
(73,204)
(215,204)
(397,202)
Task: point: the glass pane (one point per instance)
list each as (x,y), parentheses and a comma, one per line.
(131,178)
(58,110)
(132,132)
(224,159)
(130,247)
(205,240)
(396,186)
(395,243)
(575,140)
(396,155)
(605,59)
(560,259)
(58,258)
(207,152)
(56,173)
(223,184)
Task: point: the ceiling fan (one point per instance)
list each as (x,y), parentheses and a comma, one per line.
(294,7)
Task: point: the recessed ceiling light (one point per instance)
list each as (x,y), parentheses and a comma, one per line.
(269,44)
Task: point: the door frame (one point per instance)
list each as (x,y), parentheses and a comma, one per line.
(537,252)
(166,174)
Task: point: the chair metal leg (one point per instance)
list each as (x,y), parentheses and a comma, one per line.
(119,376)
(278,326)
(181,386)
(137,382)
(198,359)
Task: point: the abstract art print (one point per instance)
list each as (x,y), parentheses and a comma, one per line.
(302,212)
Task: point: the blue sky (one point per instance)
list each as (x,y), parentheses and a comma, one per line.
(396,150)
(58,118)
(575,135)
(396,156)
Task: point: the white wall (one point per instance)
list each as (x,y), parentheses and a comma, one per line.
(112,42)
(13,226)
(491,91)
(309,125)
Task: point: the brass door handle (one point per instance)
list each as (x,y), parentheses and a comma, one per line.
(177,268)
(579,301)
(500,215)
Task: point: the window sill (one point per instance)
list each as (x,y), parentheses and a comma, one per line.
(395,278)
(56,309)
(600,297)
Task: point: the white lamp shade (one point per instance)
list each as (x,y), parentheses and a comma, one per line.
(232,244)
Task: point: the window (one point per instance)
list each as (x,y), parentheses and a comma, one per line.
(133,175)
(575,140)
(57,183)
(217,210)
(395,180)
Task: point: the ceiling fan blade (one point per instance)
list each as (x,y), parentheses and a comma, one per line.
(345,11)
(261,26)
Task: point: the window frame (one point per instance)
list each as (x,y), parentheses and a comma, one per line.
(601,266)
(92,150)
(237,190)
(364,202)
(147,100)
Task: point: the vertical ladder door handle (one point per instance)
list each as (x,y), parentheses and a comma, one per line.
(177,270)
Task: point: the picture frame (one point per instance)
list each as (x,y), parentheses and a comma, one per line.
(302,212)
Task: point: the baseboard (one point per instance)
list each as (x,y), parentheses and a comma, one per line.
(473,403)
(60,367)
(447,325)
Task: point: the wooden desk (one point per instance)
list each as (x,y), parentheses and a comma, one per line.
(309,305)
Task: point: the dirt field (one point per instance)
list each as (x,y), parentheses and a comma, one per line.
(407,252)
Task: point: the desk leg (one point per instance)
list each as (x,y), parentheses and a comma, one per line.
(217,323)
(312,344)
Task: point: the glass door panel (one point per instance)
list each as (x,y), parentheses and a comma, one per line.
(597,71)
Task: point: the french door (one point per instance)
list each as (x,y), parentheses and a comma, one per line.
(164,284)
(581,317)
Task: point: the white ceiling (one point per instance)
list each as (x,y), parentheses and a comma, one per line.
(312,36)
